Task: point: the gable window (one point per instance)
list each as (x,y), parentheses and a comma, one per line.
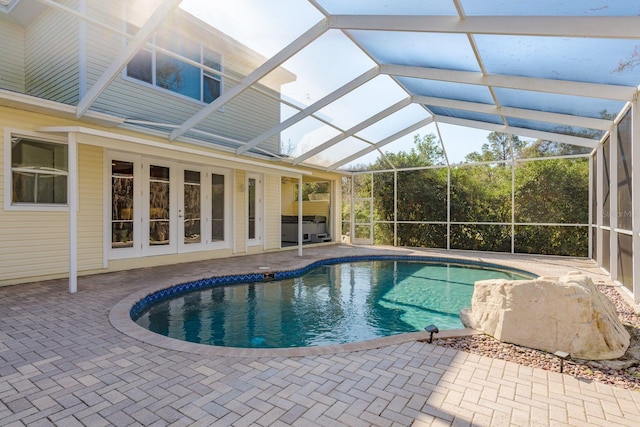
(39,171)
(156,67)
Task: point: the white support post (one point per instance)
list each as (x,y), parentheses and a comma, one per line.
(590,198)
(72,201)
(448,206)
(599,199)
(513,201)
(352,222)
(300,216)
(635,197)
(395,207)
(613,204)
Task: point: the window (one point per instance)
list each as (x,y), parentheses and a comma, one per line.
(159,69)
(39,172)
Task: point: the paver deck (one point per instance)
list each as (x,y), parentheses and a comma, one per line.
(62,362)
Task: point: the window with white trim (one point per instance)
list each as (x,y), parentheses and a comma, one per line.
(165,71)
(39,172)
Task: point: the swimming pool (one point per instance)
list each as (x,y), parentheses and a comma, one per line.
(331,303)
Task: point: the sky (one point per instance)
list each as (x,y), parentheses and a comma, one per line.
(325,65)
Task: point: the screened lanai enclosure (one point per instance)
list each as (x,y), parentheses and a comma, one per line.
(483,125)
(492,125)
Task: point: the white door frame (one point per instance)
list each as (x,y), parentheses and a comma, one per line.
(258,237)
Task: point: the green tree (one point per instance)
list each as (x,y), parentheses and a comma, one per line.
(427,151)
(546,191)
(498,148)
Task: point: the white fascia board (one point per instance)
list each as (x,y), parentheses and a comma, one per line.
(335,95)
(529,133)
(166,7)
(542,116)
(171,147)
(53,108)
(613,27)
(271,64)
(350,132)
(387,140)
(563,87)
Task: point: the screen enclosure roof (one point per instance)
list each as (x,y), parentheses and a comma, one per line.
(371,74)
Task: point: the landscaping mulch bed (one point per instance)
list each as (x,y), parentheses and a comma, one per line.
(623,372)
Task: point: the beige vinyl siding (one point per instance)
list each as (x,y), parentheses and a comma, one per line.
(33,244)
(240,221)
(52,56)
(272,212)
(91,207)
(244,118)
(12,54)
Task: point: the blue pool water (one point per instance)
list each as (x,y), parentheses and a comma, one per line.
(331,304)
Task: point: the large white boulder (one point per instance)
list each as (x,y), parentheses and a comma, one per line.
(550,314)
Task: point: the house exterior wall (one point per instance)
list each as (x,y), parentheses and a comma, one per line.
(12,54)
(52,56)
(242,119)
(46,60)
(35,243)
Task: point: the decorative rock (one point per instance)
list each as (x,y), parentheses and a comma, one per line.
(550,314)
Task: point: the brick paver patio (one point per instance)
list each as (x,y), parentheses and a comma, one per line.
(62,362)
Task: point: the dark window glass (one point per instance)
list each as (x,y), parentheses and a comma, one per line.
(217,208)
(39,172)
(122,191)
(140,67)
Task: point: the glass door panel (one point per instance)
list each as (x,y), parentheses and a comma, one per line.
(159,205)
(122,191)
(192,207)
(251,194)
(217,208)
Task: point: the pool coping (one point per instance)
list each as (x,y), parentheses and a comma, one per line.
(120,314)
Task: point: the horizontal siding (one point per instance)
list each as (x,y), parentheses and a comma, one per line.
(34,245)
(272,207)
(244,118)
(12,54)
(91,208)
(51,56)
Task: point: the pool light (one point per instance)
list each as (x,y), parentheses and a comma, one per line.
(432,329)
(562,355)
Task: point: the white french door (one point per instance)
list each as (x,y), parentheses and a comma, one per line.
(191,209)
(160,235)
(163,207)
